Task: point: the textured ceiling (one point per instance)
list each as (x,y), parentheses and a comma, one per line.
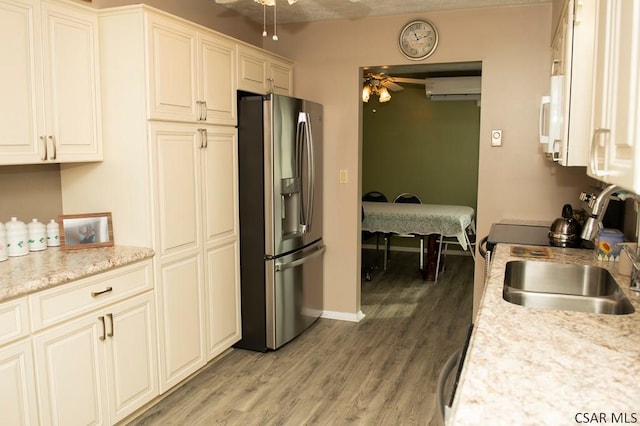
(320,10)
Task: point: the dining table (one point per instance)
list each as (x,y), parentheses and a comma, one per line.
(435,221)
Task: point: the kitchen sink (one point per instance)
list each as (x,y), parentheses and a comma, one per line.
(567,287)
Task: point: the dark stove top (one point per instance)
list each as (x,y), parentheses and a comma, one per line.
(526,234)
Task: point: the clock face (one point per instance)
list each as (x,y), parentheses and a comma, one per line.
(418,39)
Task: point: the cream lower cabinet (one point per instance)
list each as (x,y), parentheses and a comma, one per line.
(18,404)
(615,136)
(95,347)
(50,103)
(98,368)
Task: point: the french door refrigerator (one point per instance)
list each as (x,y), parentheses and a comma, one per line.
(280,189)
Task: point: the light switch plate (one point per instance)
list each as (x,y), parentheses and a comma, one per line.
(344,176)
(496,137)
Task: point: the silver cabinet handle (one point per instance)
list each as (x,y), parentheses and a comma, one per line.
(203,138)
(98,293)
(104,329)
(53,148)
(204,110)
(199,107)
(43,157)
(111,333)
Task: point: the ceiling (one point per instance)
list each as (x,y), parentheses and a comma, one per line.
(322,10)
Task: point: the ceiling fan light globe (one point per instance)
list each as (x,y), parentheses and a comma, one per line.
(384,94)
(366,93)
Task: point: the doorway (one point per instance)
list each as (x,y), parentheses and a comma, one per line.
(414,144)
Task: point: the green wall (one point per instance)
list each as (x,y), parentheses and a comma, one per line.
(411,144)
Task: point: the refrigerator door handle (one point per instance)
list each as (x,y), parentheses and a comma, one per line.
(304,141)
(283,266)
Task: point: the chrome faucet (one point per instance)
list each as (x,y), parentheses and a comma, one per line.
(599,206)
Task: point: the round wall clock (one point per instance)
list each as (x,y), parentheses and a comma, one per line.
(418,39)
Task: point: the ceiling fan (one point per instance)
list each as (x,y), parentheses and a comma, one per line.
(380,84)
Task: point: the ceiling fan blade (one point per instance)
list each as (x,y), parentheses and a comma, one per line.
(409,80)
(391,85)
(225,1)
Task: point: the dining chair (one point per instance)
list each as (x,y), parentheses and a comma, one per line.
(409,198)
(376,197)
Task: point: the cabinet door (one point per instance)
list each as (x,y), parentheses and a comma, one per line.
(181,320)
(220,184)
(177,166)
(223,298)
(69,360)
(616,94)
(172,70)
(252,70)
(217,77)
(220,193)
(280,77)
(131,355)
(72,86)
(18,405)
(21,108)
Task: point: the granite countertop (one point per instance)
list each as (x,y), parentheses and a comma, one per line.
(40,270)
(534,366)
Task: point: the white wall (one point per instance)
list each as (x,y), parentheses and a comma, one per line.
(514,180)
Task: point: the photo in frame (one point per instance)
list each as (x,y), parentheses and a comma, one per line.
(78,231)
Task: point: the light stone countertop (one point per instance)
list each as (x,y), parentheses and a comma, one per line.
(534,366)
(40,270)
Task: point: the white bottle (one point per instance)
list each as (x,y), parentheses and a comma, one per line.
(4,253)
(53,234)
(37,235)
(17,236)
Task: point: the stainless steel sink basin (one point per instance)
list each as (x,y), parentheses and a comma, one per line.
(581,288)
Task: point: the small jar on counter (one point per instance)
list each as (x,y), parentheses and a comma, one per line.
(53,234)
(4,253)
(17,238)
(37,235)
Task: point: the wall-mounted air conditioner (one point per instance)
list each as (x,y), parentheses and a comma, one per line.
(453,88)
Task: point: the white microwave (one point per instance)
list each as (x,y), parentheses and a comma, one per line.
(551,120)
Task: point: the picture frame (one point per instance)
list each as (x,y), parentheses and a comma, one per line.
(87,230)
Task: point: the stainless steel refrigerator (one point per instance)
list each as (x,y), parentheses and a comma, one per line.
(281,247)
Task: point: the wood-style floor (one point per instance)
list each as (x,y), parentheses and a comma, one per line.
(380,371)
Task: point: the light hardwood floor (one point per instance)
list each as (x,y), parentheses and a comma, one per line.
(380,371)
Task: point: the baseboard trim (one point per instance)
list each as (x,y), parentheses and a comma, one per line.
(343,316)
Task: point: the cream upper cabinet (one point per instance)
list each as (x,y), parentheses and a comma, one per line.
(50,84)
(260,72)
(571,84)
(614,153)
(191,73)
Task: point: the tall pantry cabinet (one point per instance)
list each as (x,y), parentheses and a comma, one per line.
(169,174)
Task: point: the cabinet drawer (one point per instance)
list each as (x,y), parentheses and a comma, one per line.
(14,320)
(67,301)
